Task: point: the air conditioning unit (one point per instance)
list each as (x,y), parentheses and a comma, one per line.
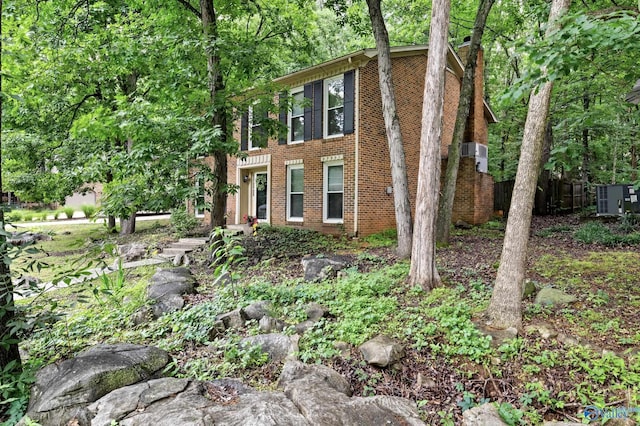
(617,200)
(477,151)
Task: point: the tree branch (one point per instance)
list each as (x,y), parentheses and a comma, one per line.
(190,8)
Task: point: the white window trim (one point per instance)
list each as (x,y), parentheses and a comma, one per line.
(250,146)
(325,192)
(289,217)
(290,117)
(325,107)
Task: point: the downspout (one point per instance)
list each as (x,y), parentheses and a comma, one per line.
(356,151)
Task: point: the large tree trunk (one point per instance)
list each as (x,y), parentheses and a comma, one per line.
(445,209)
(505,307)
(219,118)
(423,270)
(8,340)
(128,224)
(392,127)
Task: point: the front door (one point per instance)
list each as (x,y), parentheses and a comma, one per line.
(259,204)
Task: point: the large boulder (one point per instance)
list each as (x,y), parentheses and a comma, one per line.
(63,391)
(323,397)
(167,288)
(319,268)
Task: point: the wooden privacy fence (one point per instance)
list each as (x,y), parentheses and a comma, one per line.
(560,196)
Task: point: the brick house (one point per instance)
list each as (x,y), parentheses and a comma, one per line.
(331,172)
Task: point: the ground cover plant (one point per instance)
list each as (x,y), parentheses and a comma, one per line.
(450,364)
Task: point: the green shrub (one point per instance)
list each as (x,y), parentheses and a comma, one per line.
(68,212)
(27,216)
(56,214)
(89,211)
(13,216)
(597,232)
(182,222)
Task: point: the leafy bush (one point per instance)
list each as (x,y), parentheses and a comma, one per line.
(13,216)
(68,212)
(597,232)
(278,242)
(14,392)
(182,223)
(27,216)
(89,211)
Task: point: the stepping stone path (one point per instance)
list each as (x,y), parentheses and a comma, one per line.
(182,247)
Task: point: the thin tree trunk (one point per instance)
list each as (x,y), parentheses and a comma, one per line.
(543,194)
(394,136)
(423,270)
(219,118)
(505,307)
(8,340)
(445,209)
(586,172)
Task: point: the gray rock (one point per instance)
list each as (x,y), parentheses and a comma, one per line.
(461,224)
(277,346)
(234,319)
(177,260)
(268,324)
(258,309)
(63,392)
(565,339)
(323,396)
(24,238)
(382,351)
(546,331)
(549,296)
(321,268)
(312,395)
(142,316)
(132,252)
(302,327)
(482,415)
(315,311)
(167,288)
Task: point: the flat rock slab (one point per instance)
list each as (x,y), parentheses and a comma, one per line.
(311,395)
(318,268)
(482,415)
(62,392)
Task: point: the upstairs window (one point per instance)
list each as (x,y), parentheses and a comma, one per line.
(334,106)
(257,135)
(296,123)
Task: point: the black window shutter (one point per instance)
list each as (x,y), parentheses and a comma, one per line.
(349,104)
(318,96)
(308,96)
(282,133)
(244,132)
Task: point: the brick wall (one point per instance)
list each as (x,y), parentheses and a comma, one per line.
(375,208)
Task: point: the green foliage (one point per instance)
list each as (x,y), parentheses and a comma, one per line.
(277,242)
(110,286)
(509,414)
(597,232)
(227,253)
(182,222)
(385,238)
(15,386)
(89,211)
(68,212)
(13,216)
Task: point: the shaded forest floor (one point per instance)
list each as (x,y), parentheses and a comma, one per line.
(569,357)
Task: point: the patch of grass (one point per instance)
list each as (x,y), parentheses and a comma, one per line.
(385,238)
